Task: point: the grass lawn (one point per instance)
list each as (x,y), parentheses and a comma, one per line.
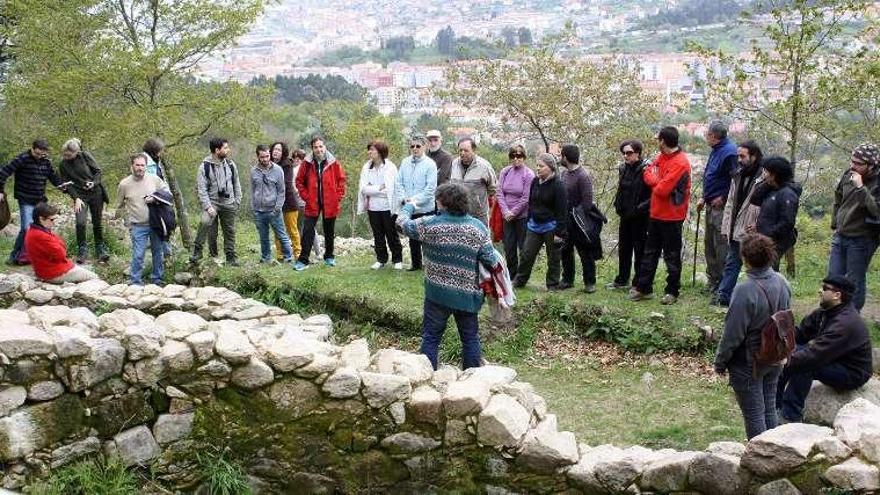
(638,391)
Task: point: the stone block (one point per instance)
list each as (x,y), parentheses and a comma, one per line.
(233,345)
(172,427)
(202,344)
(253,375)
(355,354)
(717,474)
(142,342)
(106,357)
(36,427)
(68,453)
(179,325)
(775,452)
(824,402)
(136,446)
(503,422)
(70,342)
(381,389)
(45,390)
(669,473)
(465,397)
(425,405)
(854,474)
(116,322)
(778,487)
(11,398)
(19,339)
(408,443)
(856,419)
(177,356)
(343,383)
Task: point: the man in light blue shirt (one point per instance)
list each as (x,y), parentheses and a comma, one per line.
(415,185)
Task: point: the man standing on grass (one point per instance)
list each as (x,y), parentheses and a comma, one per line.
(415,184)
(716,184)
(856,219)
(669,178)
(579,192)
(134,192)
(219,191)
(440,156)
(267,198)
(477,175)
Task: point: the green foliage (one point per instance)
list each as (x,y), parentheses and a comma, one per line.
(224,477)
(693,13)
(314,88)
(98,476)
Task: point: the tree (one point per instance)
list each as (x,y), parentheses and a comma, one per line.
(510,37)
(295,90)
(115,72)
(525,36)
(446,41)
(554,99)
(780,85)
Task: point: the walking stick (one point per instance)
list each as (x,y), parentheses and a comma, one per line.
(696,244)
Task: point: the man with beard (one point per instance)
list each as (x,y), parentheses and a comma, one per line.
(833,346)
(219,191)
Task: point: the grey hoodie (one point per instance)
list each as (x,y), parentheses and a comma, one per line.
(747,314)
(267,188)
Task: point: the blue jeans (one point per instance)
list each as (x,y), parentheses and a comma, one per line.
(26,218)
(434,324)
(141,237)
(265,220)
(850,257)
(732,266)
(756,397)
(794,388)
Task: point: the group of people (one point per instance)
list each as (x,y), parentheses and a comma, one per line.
(443,205)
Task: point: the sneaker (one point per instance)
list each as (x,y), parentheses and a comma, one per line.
(590,288)
(330,262)
(398,266)
(300,266)
(376,266)
(635,295)
(668,299)
(615,286)
(286,260)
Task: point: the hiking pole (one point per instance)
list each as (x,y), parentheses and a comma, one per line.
(696,244)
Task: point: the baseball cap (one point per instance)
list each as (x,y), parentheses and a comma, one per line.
(434,133)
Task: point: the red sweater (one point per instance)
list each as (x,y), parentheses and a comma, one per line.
(47,253)
(331,192)
(662,177)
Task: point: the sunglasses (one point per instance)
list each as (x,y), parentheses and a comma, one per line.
(415,146)
(517,155)
(627,153)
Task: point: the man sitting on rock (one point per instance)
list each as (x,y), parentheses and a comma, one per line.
(833,346)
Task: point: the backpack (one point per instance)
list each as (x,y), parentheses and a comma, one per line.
(777,335)
(680,190)
(207,171)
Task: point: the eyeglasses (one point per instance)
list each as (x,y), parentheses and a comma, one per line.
(858,163)
(415,146)
(829,288)
(517,155)
(433,138)
(627,153)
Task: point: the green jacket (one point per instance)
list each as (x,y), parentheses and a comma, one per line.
(856,212)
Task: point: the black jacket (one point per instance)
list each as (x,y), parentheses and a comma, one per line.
(162,220)
(837,335)
(444,165)
(30,177)
(779,209)
(633,197)
(547,202)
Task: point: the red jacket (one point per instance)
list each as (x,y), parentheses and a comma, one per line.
(332,187)
(47,252)
(667,175)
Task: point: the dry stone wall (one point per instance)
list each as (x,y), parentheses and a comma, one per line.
(155,375)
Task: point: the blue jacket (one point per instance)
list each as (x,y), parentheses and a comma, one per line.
(416,180)
(719,168)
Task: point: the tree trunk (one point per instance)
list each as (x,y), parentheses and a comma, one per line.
(179,205)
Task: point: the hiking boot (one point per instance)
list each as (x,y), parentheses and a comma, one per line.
(590,288)
(563,286)
(82,255)
(668,299)
(615,286)
(635,295)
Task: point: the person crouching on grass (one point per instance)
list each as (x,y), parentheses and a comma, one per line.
(454,244)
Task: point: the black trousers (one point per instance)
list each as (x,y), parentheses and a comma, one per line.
(577,242)
(415,247)
(632,233)
(514,239)
(663,237)
(308,237)
(93,206)
(384,231)
(530,251)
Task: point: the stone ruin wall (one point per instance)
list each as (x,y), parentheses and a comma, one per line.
(163,373)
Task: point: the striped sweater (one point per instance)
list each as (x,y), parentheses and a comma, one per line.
(30,177)
(452,247)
